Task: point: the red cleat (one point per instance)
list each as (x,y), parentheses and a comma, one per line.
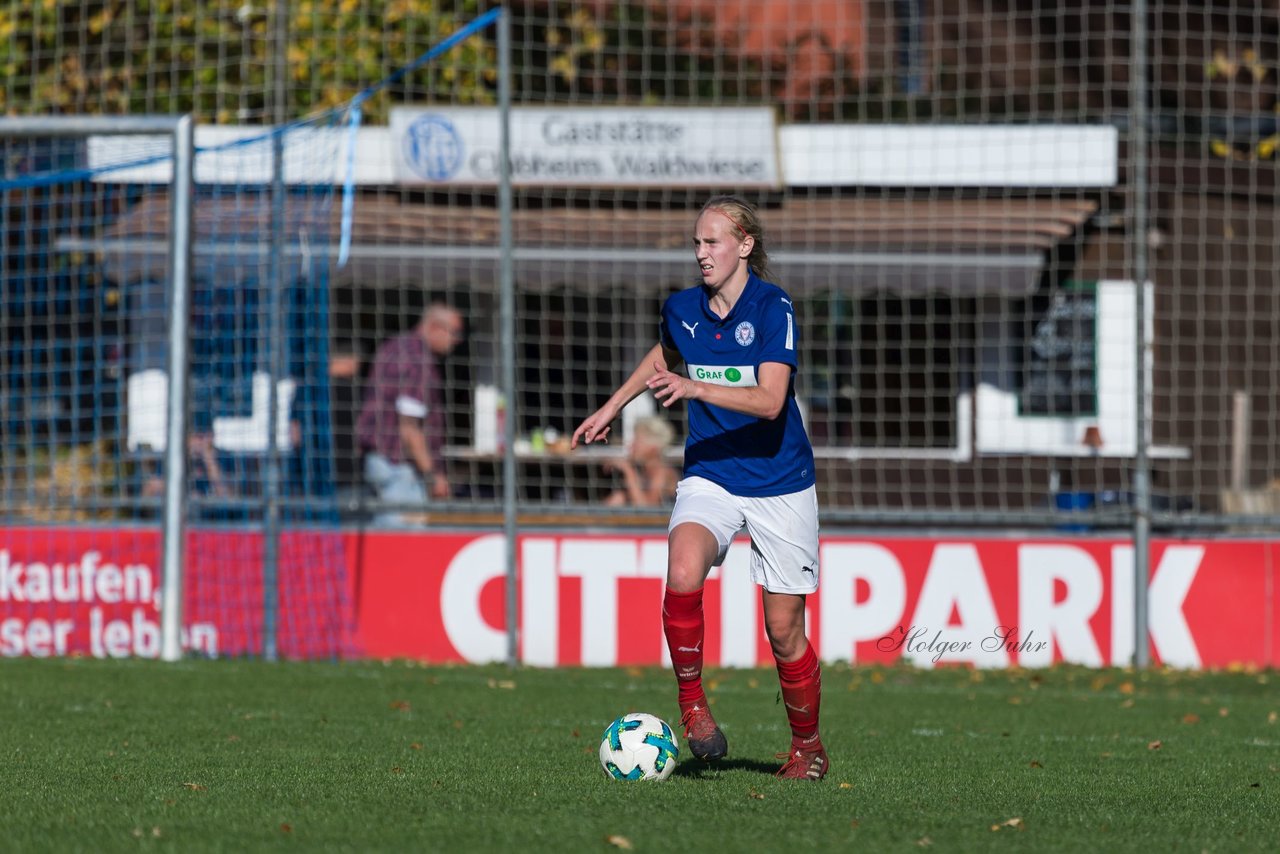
(704,737)
(804,765)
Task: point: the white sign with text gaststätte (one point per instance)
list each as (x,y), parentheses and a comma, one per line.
(588,146)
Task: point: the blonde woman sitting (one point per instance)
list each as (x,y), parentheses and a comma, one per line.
(647,478)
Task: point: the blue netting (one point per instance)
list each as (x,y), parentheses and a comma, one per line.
(85,294)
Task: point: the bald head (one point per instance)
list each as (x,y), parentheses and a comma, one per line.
(442,328)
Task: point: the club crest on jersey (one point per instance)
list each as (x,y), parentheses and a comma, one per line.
(745,333)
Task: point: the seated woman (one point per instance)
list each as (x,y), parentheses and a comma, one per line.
(647,478)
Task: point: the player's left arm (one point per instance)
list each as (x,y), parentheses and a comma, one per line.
(766,399)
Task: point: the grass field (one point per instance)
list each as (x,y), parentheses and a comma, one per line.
(241,755)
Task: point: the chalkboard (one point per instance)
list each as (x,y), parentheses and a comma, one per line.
(1060,354)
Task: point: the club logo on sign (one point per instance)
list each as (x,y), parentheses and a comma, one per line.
(745,333)
(433,148)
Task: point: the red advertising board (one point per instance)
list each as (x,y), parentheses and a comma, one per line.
(595,599)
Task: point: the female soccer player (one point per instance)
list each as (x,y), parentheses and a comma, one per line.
(748,462)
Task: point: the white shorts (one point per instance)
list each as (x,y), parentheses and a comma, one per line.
(783,530)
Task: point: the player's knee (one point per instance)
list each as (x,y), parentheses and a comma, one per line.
(685,577)
(786,637)
(787,646)
(691,550)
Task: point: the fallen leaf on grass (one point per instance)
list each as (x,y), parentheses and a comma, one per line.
(396,769)
(195,787)
(1125,688)
(619,842)
(1014,822)
(286,828)
(1035,763)
(417,745)
(1272,717)
(854,824)
(924,842)
(1127,704)
(505,684)
(846,785)
(1191,718)
(756,795)
(1223,712)
(1155,745)
(400,705)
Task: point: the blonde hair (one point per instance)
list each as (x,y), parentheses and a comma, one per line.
(654,429)
(746,220)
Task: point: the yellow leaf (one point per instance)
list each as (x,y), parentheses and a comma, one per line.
(619,842)
(1155,745)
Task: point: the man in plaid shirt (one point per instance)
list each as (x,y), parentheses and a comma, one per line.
(401,425)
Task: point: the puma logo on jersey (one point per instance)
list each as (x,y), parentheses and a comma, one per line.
(804,710)
(787,301)
(696,648)
(690,328)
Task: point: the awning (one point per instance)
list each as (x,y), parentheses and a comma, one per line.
(910,246)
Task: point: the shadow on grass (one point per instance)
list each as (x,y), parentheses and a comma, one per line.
(698,768)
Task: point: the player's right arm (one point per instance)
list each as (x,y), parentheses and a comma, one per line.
(596,427)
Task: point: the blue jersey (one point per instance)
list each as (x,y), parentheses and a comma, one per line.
(746,455)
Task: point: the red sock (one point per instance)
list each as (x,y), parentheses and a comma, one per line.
(802,694)
(683,624)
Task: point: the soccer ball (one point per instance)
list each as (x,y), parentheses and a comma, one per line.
(639,747)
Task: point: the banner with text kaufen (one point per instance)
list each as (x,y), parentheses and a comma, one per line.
(96,591)
(595,599)
(588,146)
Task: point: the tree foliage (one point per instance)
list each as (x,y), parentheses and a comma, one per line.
(218,59)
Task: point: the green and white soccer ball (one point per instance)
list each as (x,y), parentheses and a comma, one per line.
(639,747)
